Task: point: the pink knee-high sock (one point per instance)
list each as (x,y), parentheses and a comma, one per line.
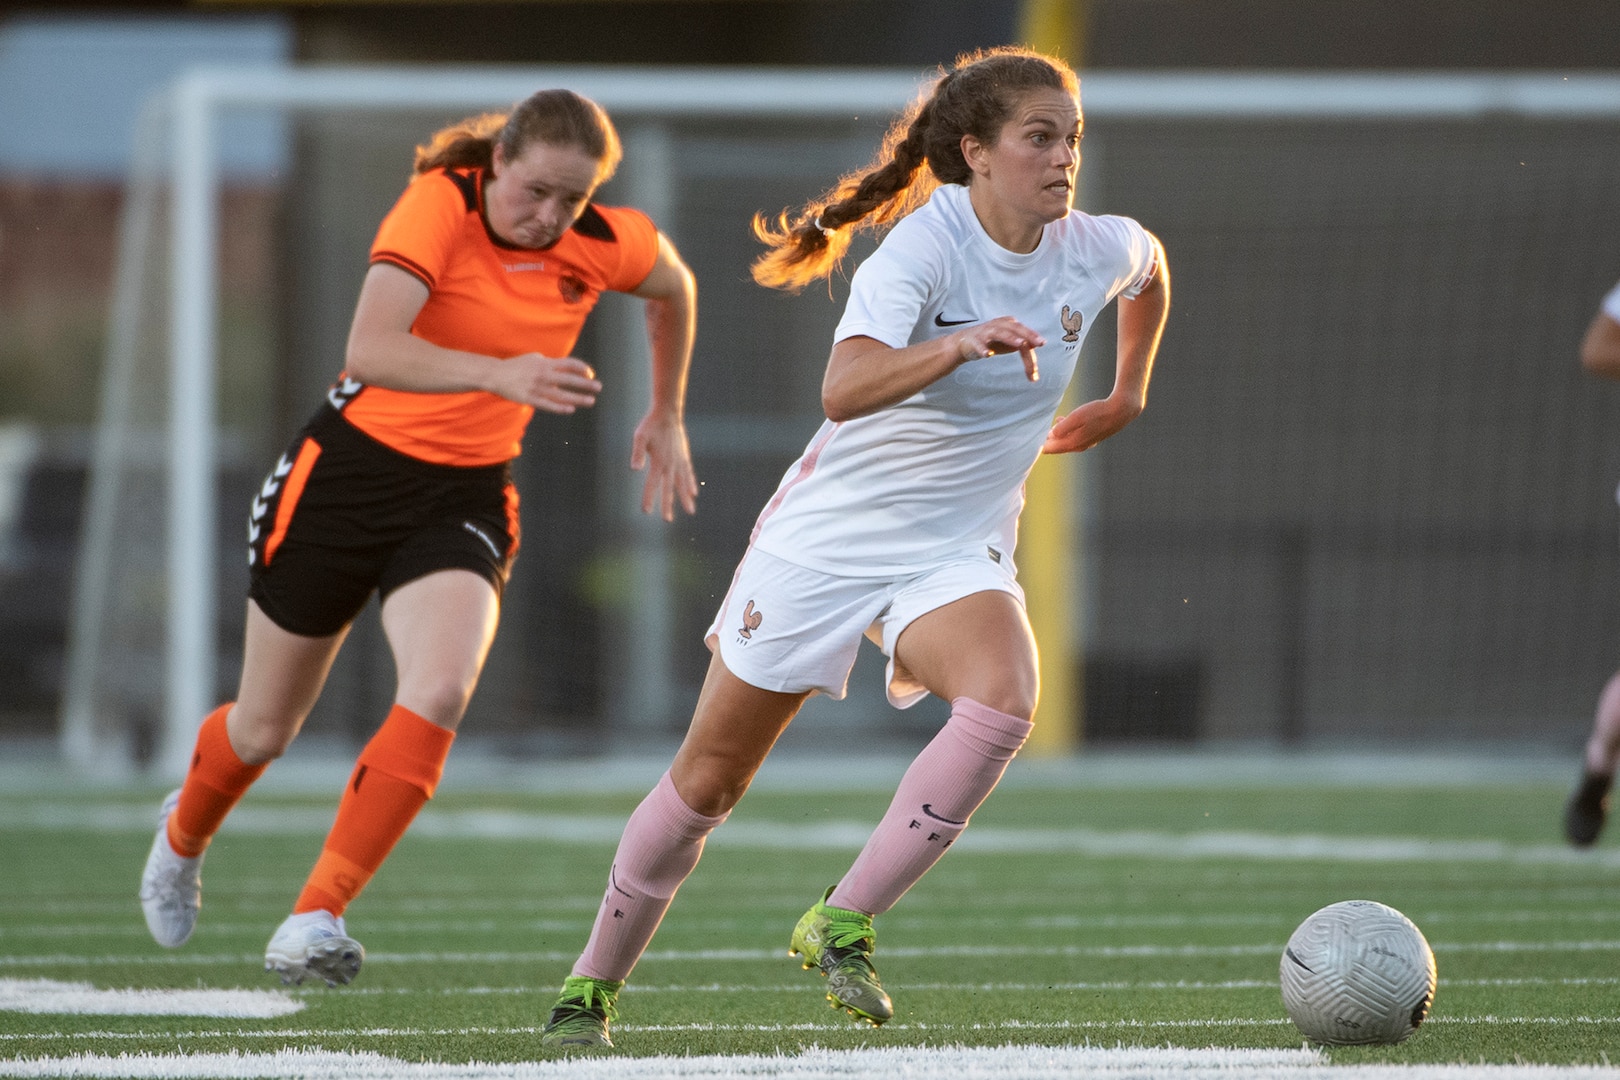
(661,844)
(944,785)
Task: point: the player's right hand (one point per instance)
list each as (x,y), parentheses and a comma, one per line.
(554,384)
(1001,335)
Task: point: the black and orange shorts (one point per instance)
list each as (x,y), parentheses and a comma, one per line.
(341,516)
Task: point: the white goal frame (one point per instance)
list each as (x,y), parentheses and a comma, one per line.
(178,137)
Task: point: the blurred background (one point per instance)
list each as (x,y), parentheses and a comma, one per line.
(1371,503)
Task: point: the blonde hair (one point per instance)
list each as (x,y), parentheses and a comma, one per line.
(553,117)
(974,98)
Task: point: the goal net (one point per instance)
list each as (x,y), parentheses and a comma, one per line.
(1371,497)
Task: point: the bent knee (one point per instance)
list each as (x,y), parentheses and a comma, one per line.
(257,738)
(1013,693)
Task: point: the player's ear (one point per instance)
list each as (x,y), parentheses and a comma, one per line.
(975,153)
(497,158)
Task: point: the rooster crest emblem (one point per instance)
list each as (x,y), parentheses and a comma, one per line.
(1072,321)
(751,620)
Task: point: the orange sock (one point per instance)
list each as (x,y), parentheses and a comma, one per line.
(216,781)
(396,774)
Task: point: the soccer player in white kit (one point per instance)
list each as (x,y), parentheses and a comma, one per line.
(899,521)
(1588,807)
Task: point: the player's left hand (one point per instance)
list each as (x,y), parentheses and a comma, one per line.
(1091,423)
(659,446)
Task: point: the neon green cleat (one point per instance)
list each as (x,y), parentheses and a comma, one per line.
(579,1020)
(840,943)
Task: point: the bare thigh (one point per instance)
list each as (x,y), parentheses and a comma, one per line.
(978,647)
(282,675)
(733,729)
(440,628)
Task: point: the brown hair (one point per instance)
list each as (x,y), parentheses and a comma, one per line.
(974,98)
(553,117)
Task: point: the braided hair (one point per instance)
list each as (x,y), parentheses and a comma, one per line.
(974,98)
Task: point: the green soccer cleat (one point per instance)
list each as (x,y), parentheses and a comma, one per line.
(840,943)
(579,1020)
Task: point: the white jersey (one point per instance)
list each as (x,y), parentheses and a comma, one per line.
(1611,304)
(940,475)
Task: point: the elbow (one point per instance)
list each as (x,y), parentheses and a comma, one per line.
(838,406)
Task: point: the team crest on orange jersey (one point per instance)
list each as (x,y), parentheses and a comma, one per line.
(1072,321)
(572,288)
(751,620)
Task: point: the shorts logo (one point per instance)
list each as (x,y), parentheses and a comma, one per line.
(261,504)
(1072,320)
(572,288)
(482,535)
(751,620)
(995,556)
(343,392)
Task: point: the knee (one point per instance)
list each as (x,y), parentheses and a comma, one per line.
(710,784)
(1009,691)
(442,698)
(259,737)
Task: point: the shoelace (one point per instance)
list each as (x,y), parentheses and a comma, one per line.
(850,933)
(591,1002)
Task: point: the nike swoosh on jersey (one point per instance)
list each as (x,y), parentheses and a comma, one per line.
(928,809)
(941,320)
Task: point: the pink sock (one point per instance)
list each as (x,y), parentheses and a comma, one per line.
(950,778)
(661,844)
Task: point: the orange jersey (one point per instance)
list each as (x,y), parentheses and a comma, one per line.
(486,296)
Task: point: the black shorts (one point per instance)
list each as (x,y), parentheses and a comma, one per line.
(342,515)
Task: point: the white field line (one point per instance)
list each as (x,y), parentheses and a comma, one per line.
(555,956)
(849,835)
(81,998)
(1007,1062)
(47,996)
(918,1063)
(924,1027)
(124,927)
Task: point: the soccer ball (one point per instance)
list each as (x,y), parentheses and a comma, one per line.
(1357,972)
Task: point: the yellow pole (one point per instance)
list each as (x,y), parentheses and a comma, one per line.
(1046,542)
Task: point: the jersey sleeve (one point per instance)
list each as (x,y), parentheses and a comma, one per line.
(1611,304)
(1139,256)
(888,291)
(636,247)
(419,232)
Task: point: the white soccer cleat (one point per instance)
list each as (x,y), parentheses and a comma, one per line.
(313,943)
(171,885)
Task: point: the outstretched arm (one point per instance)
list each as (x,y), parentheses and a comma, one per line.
(1600,351)
(659,444)
(1141,324)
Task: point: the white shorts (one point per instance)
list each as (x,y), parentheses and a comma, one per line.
(783,627)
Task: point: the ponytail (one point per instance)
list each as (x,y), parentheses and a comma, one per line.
(553,117)
(468,144)
(974,98)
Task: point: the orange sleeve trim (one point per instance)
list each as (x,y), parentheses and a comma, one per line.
(410,266)
(296,479)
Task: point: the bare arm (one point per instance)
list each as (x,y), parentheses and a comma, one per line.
(382,351)
(1141,324)
(865,375)
(660,444)
(1600,351)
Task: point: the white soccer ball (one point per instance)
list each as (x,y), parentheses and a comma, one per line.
(1357,972)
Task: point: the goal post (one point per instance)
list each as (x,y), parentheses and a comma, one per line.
(181,146)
